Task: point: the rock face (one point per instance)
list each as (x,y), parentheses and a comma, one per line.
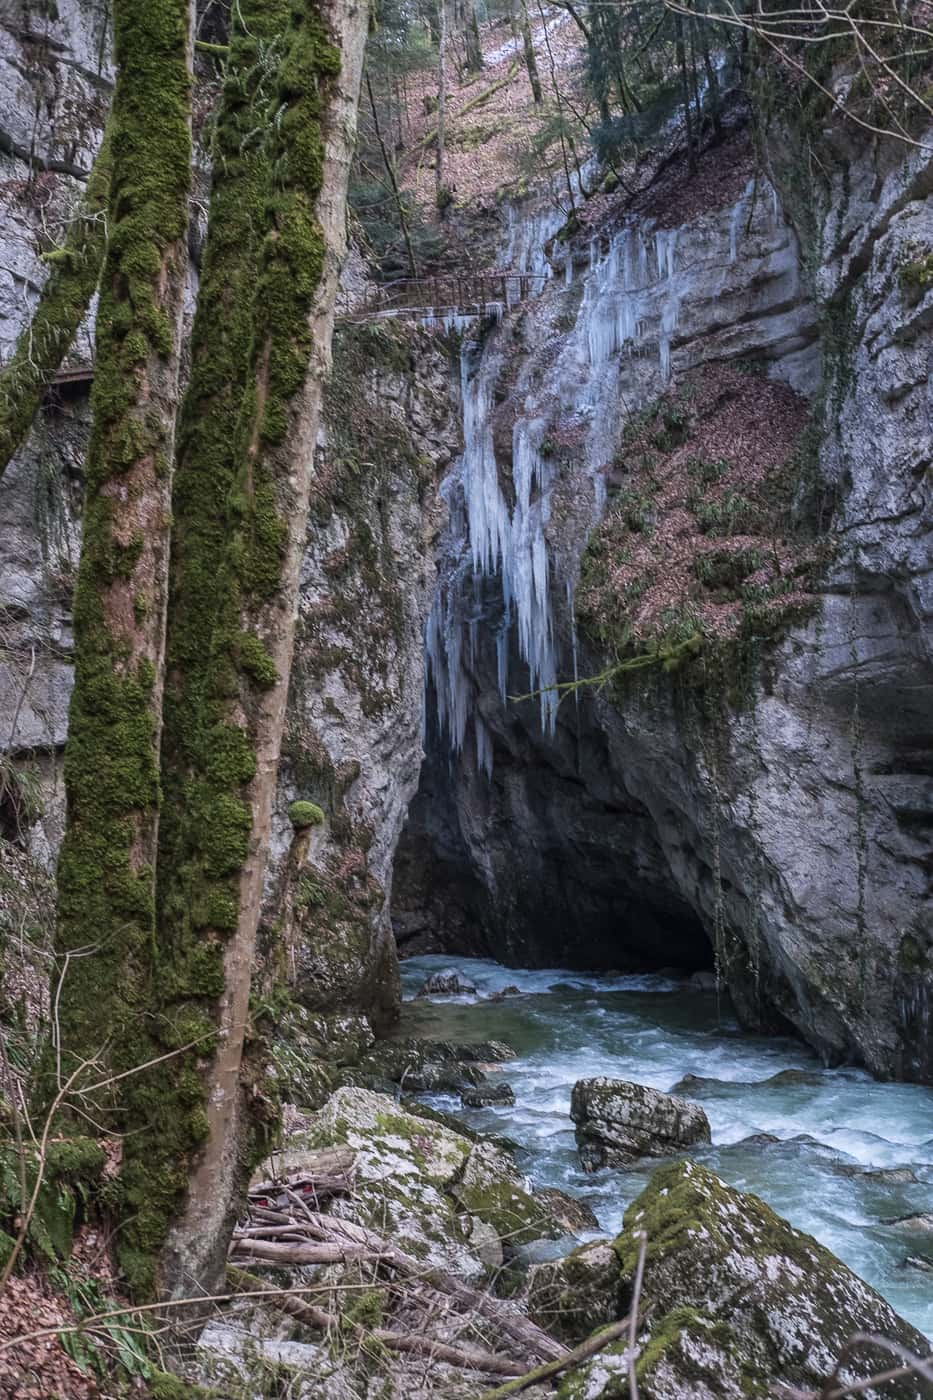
(789,833)
(618,1122)
(740,1300)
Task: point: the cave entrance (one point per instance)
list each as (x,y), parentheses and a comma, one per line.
(534,869)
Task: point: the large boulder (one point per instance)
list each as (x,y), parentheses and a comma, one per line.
(425,1186)
(618,1122)
(737,1300)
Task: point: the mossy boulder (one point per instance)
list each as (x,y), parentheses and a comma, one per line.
(425,1186)
(309,1052)
(405,1169)
(618,1122)
(571,1297)
(738,1299)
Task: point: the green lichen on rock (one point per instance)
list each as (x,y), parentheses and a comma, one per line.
(915,276)
(735,1287)
(305,814)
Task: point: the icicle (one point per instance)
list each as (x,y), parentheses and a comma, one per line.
(738,215)
(483,746)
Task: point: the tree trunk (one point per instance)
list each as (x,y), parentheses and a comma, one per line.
(531,62)
(195,892)
(74,272)
(681,55)
(107,861)
(230,791)
(471,39)
(440,191)
(393,180)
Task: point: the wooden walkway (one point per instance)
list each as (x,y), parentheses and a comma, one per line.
(437,298)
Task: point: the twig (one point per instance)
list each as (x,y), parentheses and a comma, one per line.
(633,1315)
(591,1347)
(467,1358)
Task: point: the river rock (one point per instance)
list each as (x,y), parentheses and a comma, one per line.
(446,984)
(920,1222)
(704,981)
(488,1095)
(573,1296)
(492,1189)
(423,1066)
(575,1214)
(618,1122)
(423,1185)
(739,1301)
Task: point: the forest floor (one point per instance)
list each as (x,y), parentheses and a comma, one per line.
(496,139)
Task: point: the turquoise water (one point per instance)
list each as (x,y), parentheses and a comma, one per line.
(836,1128)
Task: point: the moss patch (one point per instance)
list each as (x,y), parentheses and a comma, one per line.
(305,814)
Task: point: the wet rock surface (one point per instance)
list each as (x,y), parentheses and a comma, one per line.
(739,1300)
(487,1095)
(617,1122)
(447,984)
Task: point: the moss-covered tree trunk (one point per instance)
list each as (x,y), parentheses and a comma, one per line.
(233,612)
(204,822)
(74,272)
(106,868)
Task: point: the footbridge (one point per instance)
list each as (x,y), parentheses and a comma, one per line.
(442,300)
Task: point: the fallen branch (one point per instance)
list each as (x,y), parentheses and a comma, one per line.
(521,1331)
(582,1353)
(429,139)
(282,1253)
(347,1240)
(466,1358)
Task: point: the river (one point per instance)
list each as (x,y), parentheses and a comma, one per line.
(852,1154)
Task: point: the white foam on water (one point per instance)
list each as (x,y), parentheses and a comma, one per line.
(833,1126)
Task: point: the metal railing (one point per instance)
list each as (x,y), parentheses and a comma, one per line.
(464,294)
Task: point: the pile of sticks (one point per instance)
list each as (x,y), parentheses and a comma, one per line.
(286,1227)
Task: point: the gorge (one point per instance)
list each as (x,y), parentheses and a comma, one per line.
(612,678)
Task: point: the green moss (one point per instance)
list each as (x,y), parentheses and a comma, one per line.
(250,354)
(305,814)
(74,271)
(105,877)
(255,661)
(916,276)
(163,1386)
(516,1217)
(70,1174)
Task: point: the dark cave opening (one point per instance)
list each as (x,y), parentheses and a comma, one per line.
(530,868)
